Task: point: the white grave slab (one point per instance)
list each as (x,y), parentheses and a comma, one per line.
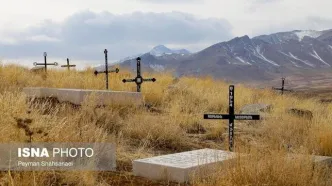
(180,167)
(77,96)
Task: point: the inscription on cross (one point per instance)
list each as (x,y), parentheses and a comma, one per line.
(139,79)
(68,65)
(282,89)
(45,62)
(231,116)
(106,71)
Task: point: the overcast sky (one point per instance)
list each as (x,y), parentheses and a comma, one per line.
(81,29)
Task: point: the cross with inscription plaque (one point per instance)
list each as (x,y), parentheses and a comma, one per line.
(282,86)
(231,117)
(139,79)
(106,69)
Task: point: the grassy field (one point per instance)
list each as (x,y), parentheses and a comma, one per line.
(173,123)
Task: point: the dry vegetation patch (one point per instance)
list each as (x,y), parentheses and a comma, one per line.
(172,122)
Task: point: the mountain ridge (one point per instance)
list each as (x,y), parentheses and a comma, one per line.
(243,58)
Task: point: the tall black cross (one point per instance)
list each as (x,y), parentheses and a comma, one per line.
(68,65)
(231,117)
(106,69)
(282,86)
(45,62)
(139,79)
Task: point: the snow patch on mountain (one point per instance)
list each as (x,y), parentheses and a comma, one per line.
(315,55)
(243,61)
(161,50)
(290,55)
(296,65)
(305,62)
(157,68)
(260,55)
(310,33)
(129,58)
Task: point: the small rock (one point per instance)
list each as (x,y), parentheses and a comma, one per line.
(323,161)
(256,108)
(196,128)
(300,113)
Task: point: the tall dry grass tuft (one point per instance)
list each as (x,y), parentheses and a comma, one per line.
(274,168)
(173,122)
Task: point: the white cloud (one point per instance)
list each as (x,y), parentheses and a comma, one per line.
(86,33)
(92,27)
(42,38)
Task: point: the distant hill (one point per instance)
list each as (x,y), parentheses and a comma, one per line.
(243,58)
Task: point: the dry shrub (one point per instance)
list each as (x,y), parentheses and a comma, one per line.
(140,133)
(274,168)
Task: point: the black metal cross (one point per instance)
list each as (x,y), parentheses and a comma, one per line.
(68,65)
(139,79)
(106,69)
(45,62)
(231,117)
(282,86)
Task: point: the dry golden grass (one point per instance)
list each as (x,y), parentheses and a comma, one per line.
(174,124)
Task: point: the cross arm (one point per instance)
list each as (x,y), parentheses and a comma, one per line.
(246,117)
(237,116)
(116,71)
(68,65)
(216,116)
(35,63)
(128,80)
(282,89)
(150,79)
(55,64)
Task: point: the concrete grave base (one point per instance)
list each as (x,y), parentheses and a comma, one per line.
(180,167)
(77,96)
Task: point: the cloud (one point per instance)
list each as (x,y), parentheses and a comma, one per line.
(306,23)
(171,1)
(85,34)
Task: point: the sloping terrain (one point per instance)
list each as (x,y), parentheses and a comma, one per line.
(172,121)
(244,59)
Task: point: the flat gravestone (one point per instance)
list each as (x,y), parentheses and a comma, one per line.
(77,96)
(256,108)
(316,160)
(180,167)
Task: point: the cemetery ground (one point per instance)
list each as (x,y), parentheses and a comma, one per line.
(171,121)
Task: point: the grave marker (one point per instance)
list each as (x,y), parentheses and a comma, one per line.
(106,69)
(45,62)
(139,79)
(282,89)
(77,96)
(68,65)
(180,167)
(231,116)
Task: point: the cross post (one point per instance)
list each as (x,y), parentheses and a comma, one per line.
(68,65)
(282,89)
(138,79)
(106,69)
(231,117)
(45,62)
